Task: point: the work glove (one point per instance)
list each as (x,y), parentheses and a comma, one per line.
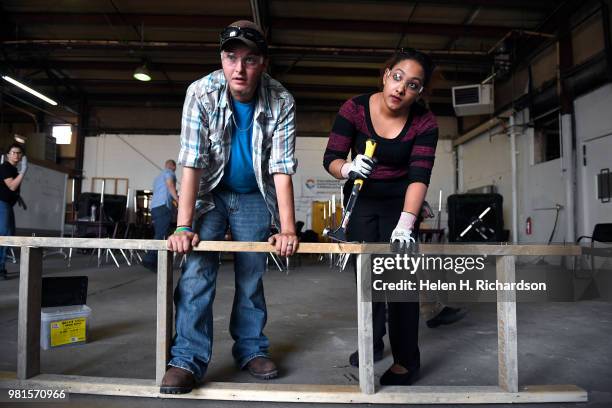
(23,165)
(402,237)
(360,167)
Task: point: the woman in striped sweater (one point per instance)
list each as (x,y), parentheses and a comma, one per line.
(406,134)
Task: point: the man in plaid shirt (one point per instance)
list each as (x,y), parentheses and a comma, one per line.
(237,152)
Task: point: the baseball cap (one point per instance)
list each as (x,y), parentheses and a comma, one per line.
(246,32)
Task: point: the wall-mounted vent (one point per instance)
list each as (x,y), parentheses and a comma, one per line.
(473,99)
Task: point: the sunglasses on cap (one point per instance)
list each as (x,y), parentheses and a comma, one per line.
(237,33)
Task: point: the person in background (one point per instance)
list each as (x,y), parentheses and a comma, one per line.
(163,204)
(237,153)
(12,171)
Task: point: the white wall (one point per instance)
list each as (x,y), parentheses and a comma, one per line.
(592,113)
(309,152)
(131,156)
(126,156)
(137,157)
(442,178)
(594,128)
(486,160)
(540,186)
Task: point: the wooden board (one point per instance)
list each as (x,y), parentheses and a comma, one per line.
(507,352)
(164,313)
(508,392)
(28,326)
(275,392)
(313,248)
(365,332)
(604,252)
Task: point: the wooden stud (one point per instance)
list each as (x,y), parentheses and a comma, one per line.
(28,326)
(306,393)
(164,313)
(603,252)
(506,326)
(312,248)
(364,324)
(28,358)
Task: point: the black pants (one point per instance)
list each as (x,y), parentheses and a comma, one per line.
(373,220)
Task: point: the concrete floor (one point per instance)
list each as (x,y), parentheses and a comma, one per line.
(312,328)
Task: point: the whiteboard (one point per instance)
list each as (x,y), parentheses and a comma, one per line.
(44,192)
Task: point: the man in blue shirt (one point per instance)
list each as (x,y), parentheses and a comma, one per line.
(162,208)
(237,153)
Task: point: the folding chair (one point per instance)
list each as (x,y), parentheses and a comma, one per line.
(601,233)
(585,286)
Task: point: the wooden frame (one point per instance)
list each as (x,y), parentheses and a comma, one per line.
(28,364)
(114,180)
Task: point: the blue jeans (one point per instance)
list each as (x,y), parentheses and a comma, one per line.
(161,217)
(7,227)
(249,220)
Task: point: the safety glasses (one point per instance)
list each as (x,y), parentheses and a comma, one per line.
(246,33)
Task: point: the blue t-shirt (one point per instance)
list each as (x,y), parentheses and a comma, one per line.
(238,175)
(161,195)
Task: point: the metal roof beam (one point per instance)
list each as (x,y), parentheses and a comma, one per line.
(451,75)
(149,20)
(390,27)
(116,65)
(218,22)
(153,87)
(537,5)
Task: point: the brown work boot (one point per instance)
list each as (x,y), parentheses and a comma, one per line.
(177,381)
(262,368)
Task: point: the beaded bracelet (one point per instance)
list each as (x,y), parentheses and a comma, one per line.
(182,229)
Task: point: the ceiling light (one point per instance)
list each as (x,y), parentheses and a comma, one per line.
(142,73)
(20,139)
(28,89)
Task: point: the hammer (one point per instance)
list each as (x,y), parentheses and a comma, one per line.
(340,233)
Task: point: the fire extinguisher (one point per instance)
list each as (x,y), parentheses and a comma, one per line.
(528,226)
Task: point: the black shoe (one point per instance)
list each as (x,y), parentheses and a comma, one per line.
(354,358)
(3,274)
(391,378)
(448,315)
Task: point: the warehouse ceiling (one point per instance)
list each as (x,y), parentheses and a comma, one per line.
(323,51)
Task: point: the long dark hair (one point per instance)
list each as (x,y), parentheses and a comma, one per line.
(411,54)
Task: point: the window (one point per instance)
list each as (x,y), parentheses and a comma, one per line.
(62,134)
(546,139)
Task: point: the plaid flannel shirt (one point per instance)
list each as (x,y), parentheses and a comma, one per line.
(206,132)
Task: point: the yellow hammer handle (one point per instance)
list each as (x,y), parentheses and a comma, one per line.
(370,148)
(369,152)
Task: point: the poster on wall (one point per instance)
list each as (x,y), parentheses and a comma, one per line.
(315,188)
(320,188)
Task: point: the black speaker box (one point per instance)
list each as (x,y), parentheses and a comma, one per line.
(114,206)
(64,291)
(464,210)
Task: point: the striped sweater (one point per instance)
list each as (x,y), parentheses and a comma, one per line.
(405,159)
